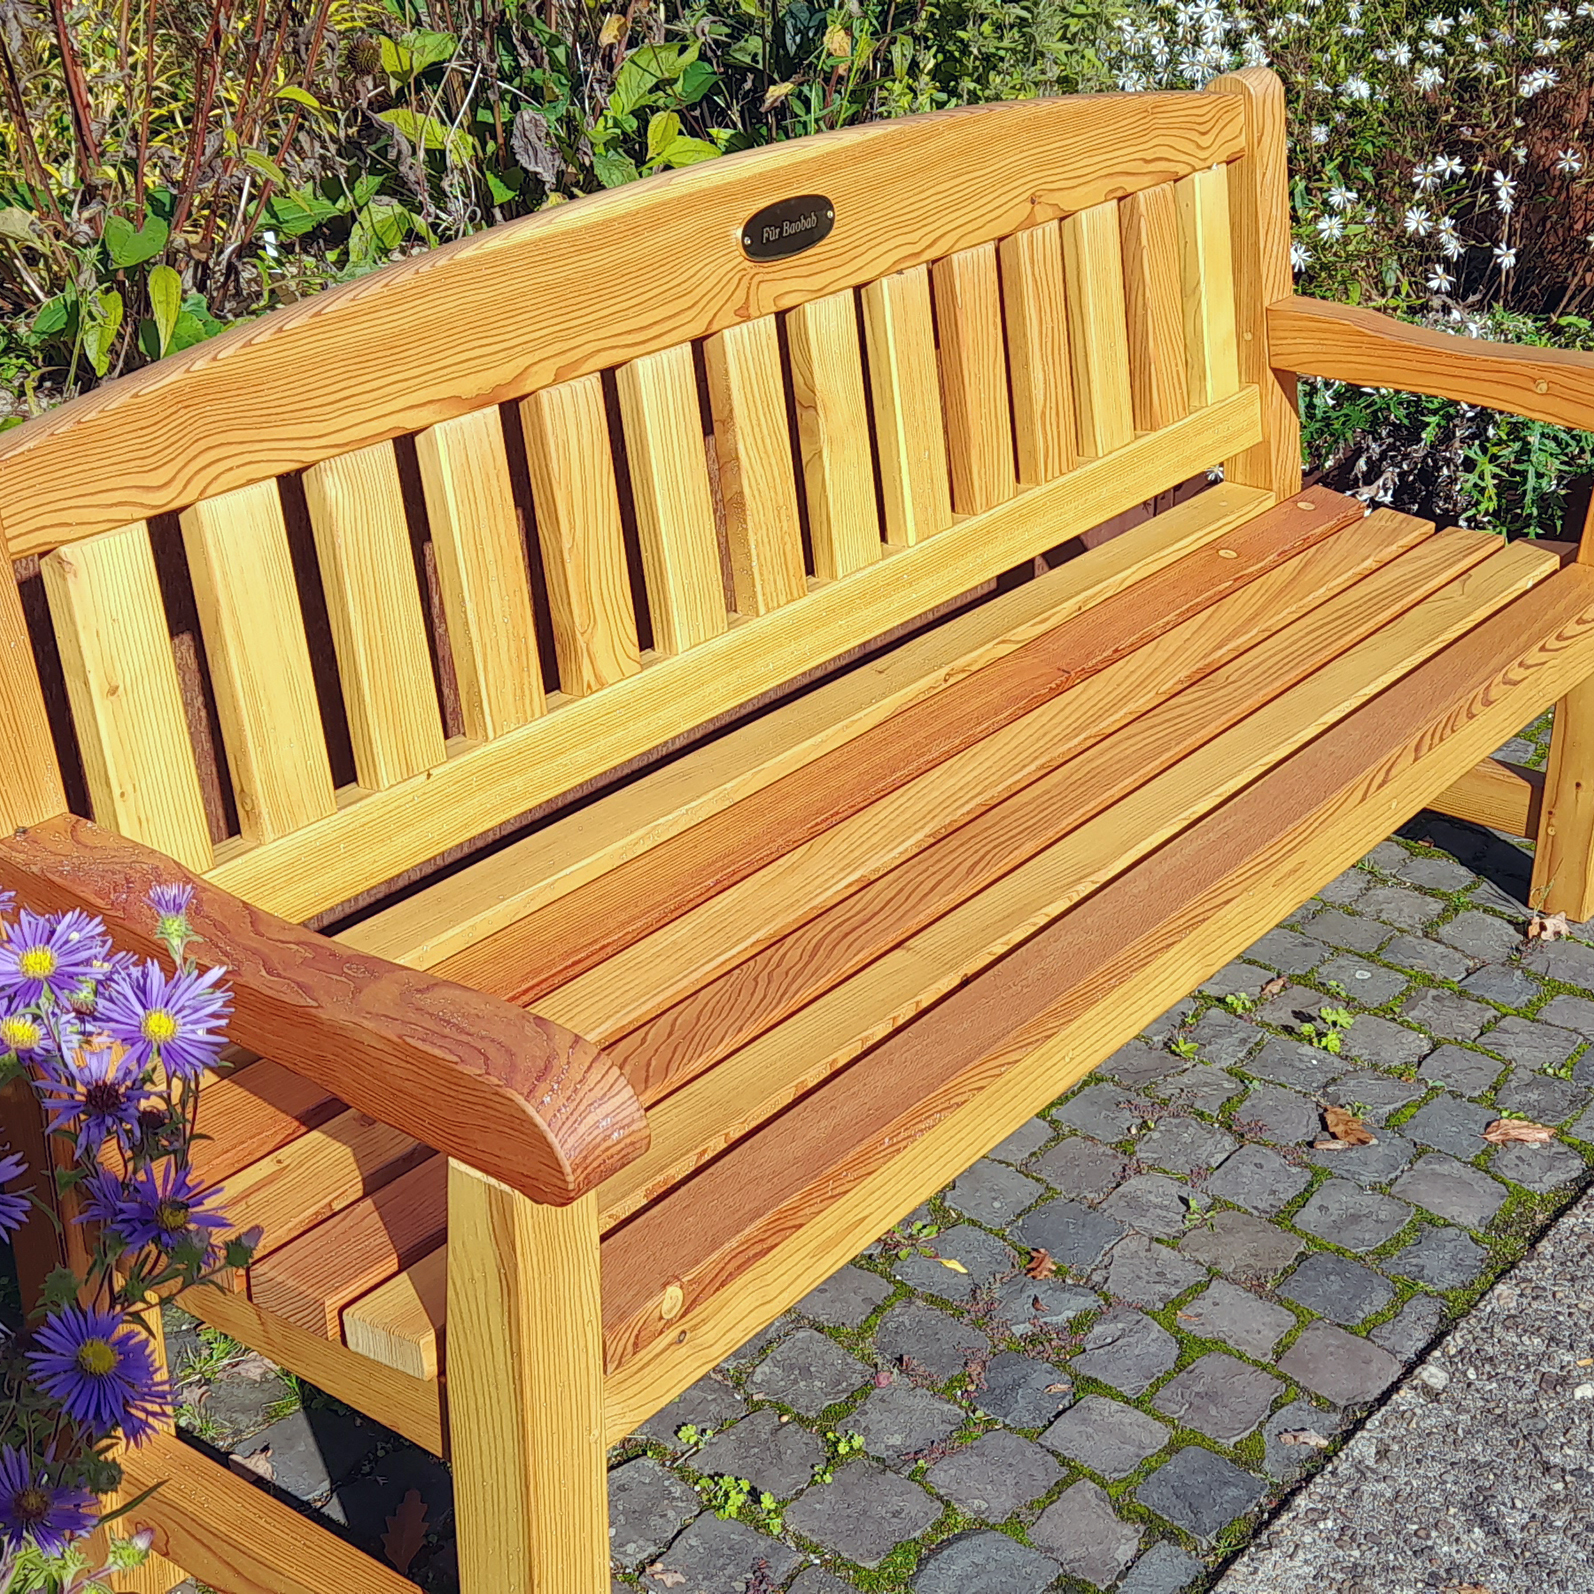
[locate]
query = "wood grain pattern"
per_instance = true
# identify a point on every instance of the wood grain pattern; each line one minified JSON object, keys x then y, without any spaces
{"x":400,"y":1323}
{"x":535,"y":955}
{"x":235,"y":1536}
{"x":244,"y":589}
{"x":121,"y":679}
{"x":309,"y":1281}
{"x":410,"y":1406}
{"x":383,"y":833}
{"x":1563,"y":860}
{"x":1155,"y":301}
{"x":702,"y":1236}
{"x":1098,"y":338}
{"x":674,"y":510}
{"x":481,"y":567}
{"x":1502,"y":796}
{"x":973,"y":355}
{"x":450,"y":1066}
{"x":1206,"y":252}
{"x":511,"y":310}
{"x":525,"y":1391}
{"x":569,"y":459}
{"x":1155,"y":963}
{"x":378,"y":629}
{"x":1259,"y":212}
{"x":904,"y":387}
{"x":1363,"y":346}
{"x":833,"y":434}
{"x":748,"y":398}
{"x":1035,"y":305}
{"x":1062,"y":780}
{"x":32,"y":788}
{"x":250,"y":1115}
{"x":464,"y":907}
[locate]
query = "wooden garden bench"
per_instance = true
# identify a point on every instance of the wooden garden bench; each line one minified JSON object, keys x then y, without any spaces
{"x":623,"y":630}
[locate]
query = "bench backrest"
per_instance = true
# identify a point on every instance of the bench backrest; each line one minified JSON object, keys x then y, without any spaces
{"x":688,"y":474}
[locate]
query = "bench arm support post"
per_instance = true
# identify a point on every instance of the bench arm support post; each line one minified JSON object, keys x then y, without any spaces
{"x":517,"y":1096}
{"x":1349,"y":344}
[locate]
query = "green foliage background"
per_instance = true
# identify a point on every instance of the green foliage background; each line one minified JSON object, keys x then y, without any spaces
{"x":168,"y":167}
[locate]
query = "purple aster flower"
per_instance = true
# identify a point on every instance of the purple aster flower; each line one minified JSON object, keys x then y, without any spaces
{"x":54,"y":955}
{"x":100,"y":1197}
{"x":15,"y":1208}
{"x":8,"y":900}
{"x":164,"y":1207}
{"x":97,"y":1093}
{"x":101,"y":1369}
{"x":21,"y":1029}
{"x":171,"y":902}
{"x":173,"y":1021}
{"x":34,"y":1510}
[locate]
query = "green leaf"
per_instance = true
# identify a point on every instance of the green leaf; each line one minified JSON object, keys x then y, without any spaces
{"x":102,"y":323}
{"x":663,"y":129}
{"x":266,"y":167}
{"x":427,"y":48}
{"x":298,"y":96}
{"x":644,"y":71}
{"x":426,"y":132}
{"x":17,"y":225}
{"x":127,"y":245}
{"x":685,"y":151}
{"x":614,"y":171}
{"x":300,"y":211}
{"x":500,"y":190}
{"x":165,"y":303}
{"x":60,"y":1288}
{"x":696,"y":81}
{"x":397,"y":61}
{"x":54,"y":315}
{"x":378,"y":230}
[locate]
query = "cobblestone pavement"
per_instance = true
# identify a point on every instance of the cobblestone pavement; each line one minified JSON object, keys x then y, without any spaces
{"x":1227,"y":1296}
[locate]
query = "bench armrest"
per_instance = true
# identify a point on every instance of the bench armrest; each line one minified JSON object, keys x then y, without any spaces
{"x":1315,"y":338}
{"x":513,"y":1095}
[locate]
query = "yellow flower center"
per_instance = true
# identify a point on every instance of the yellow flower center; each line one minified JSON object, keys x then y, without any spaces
{"x":159,"y":1025}
{"x":37,"y":963}
{"x":20,"y":1033}
{"x":171,"y":1217}
{"x":99,"y":1357}
{"x":32,"y":1504}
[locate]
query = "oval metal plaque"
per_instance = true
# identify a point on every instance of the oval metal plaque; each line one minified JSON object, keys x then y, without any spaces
{"x":787,"y":227}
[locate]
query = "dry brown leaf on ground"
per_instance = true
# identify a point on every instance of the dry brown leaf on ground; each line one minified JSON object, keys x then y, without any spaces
{"x":1040,"y":1264}
{"x":251,"y":1366}
{"x":1548,"y":927}
{"x":1347,"y":1128}
{"x":1309,"y":1437}
{"x":1058,"y":1389}
{"x":1504,"y":1131}
{"x":406,"y":1532}
{"x":667,"y":1575}
{"x":1272,"y":987}
{"x":258,"y":1466}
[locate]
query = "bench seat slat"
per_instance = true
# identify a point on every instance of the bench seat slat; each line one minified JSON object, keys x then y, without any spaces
{"x":248,"y":602}
{"x":794,"y":828}
{"x":662,"y":1054}
{"x":250,"y":1115}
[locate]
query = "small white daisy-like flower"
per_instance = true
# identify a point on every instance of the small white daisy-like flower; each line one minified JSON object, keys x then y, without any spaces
{"x":1401,"y":55}
{"x":1431,"y":48}
{"x":1536,"y":81}
{"x":1505,"y":190}
{"x":1547,"y":46}
{"x":1450,"y":244}
{"x":1319,"y":133}
{"x":1340,"y":197}
{"x":1356,"y":88}
{"x":1447,"y":166}
{"x":1330,"y":227}
{"x":1424,"y":179}
{"x":1555,"y":20}
{"x":1429,"y":78}
{"x":1568,"y":162}
{"x":1419,"y":223}
{"x":1440,"y":26}
{"x":1440,"y":280}
{"x":1350,"y":31}
{"x":1300,"y":256}
{"x":1505,"y":258}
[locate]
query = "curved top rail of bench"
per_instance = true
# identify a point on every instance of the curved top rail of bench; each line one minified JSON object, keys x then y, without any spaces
{"x":510,"y":1093}
{"x":577,"y":289}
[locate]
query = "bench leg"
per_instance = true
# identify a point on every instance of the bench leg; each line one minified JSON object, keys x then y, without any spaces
{"x":1563,"y":863}
{"x":525,"y":1391}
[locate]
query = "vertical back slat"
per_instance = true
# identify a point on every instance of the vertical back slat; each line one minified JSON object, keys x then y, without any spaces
{"x":674,"y":505}
{"x":1035,"y":304}
{"x":1097,"y":335}
{"x":32,"y":789}
{"x":116,"y":651}
{"x":378,"y":627}
{"x":571,"y":464}
{"x":1156,"y":314}
{"x":899,"y":325}
{"x":1206,"y":249}
{"x":833,"y":433}
{"x":248,"y":603}
{"x":1259,"y":211}
{"x":747,"y":395}
{"x":968,"y":318}
{"x":481,"y":566}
